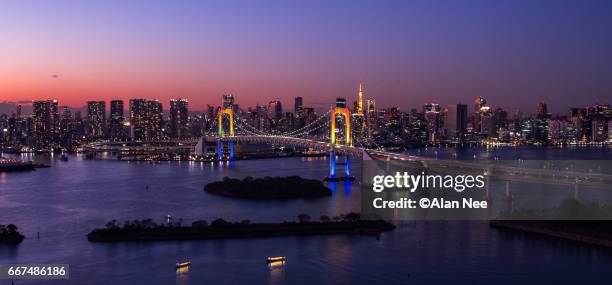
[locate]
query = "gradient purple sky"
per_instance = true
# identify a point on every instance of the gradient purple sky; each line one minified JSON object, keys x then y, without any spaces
{"x":514,"y":53}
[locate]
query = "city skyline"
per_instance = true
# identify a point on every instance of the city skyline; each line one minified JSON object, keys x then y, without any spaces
{"x":9,"y":107}
{"x":514,"y":54}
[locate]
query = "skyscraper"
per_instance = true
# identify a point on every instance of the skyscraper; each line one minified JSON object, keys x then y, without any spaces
{"x":45,"y":123}
{"x":116,"y":120}
{"x":371,"y":106}
{"x":276,"y":109}
{"x":360,"y":100}
{"x":542,"y":110}
{"x":179,"y":118}
{"x":145,"y":119}
{"x":228,"y":100}
{"x":96,"y":119}
{"x":66,"y":125}
{"x":340,"y":102}
{"x":455,"y":122}
{"x":299,"y":107}
{"x":433,"y":116}
{"x":540,"y":123}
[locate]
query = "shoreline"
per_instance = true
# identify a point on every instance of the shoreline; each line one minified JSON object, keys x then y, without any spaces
{"x":239,"y":231}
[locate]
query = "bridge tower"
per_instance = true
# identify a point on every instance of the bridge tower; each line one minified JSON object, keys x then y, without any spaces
{"x":229,"y":113}
{"x":343,"y":111}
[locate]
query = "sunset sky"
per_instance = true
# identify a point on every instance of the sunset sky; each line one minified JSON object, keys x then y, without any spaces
{"x":514,"y":53}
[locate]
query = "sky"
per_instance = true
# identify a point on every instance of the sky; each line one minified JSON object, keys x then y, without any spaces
{"x":513,"y":53}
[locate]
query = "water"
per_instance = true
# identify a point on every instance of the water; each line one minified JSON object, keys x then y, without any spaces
{"x":66,"y":201}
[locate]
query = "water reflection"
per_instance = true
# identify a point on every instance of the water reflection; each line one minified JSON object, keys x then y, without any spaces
{"x":347,"y":188}
{"x":277,"y":272}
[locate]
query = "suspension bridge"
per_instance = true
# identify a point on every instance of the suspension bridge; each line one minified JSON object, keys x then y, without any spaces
{"x":239,"y":130}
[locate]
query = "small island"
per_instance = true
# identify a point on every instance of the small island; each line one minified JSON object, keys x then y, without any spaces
{"x":147,"y":230}
{"x":10,"y":235}
{"x":269,"y":188}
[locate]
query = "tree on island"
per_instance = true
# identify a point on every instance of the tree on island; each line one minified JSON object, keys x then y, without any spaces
{"x":112,"y":224}
{"x":219,"y":223}
{"x":269,"y":188}
{"x":200,"y":224}
{"x":352,"y":217}
{"x":325,"y":219}
{"x":9,"y":234}
{"x":304,"y":218}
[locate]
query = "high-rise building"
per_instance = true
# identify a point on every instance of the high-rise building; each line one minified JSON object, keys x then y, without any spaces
{"x":287,"y":123}
{"x":309,"y":116}
{"x":45,"y":123}
{"x":433,"y":115}
{"x":540,"y":123}
{"x":371,"y":105}
{"x":179,"y":118}
{"x":66,"y":125}
{"x":599,"y":130}
{"x":79,"y":125}
{"x":117,"y":119}
{"x":341,"y":102}
{"x":360,"y":100}
{"x":299,"y":107}
{"x":96,"y":119}
{"x":542,"y":109}
{"x":455,"y":122}
{"x":479,"y":103}
{"x":145,"y":119}
{"x":276,"y":110}
{"x":228,"y":101}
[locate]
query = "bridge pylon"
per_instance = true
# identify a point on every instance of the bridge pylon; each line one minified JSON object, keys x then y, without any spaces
{"x":344,"y":112}
{"x":229,"y":112}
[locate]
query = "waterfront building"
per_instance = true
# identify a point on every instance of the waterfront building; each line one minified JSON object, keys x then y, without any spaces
{"x":146,"y":119}
{"x":45,"y":123}
{"x":66,"y":126}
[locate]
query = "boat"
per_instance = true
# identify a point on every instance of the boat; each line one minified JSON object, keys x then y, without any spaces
{"x":64,"y":157}
{"x":275,"y":262}
{"x":275,"y":259}
{"x":182,"y":265}
{"x":7,"y":165}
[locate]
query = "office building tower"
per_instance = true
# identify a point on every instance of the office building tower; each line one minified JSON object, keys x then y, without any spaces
{"x":455,"y":122}
{"x":340,"y":103}
{"x":96,"y":119}
{"x":275,"y":109}
{"x":179,"y":118}
{"x":360,"y":100}
{"x":299,"y":107}
{"x":117,"y":120}
{"x":45,"y":123}
{"x":145,"y":119}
